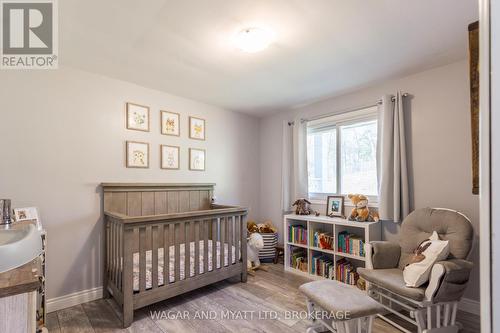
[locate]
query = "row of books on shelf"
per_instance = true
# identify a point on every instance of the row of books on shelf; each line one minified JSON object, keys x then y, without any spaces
{"x":346,"y":272}
{"x":298,"y":259}
{"x":323,"y":240}
{"x":322,"y":265}
{"x":350,"y":243}
{"x":297,"y":234}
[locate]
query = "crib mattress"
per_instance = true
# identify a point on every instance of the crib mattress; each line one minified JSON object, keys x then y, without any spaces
{"x":149,"y":265}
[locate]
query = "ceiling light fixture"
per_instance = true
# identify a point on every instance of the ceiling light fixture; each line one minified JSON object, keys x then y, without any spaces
{"x":253,"y":40}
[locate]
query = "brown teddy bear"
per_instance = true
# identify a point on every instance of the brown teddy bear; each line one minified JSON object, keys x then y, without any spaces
{"x":360,"y":212}
{"x":252,"y":227}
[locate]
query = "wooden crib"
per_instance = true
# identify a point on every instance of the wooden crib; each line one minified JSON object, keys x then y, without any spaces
{"x":151,"y":229}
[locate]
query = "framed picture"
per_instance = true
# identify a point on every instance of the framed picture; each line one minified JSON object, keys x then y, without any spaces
{"x":196,"y":128}
{"x":137,"y":154}
{"x":170,"y":123}
{"x":335,"y":205}
{"x":28,"y":213}
{"x":137,"y":117}
{"x":170,"y":156}
{"x":197,"y":159}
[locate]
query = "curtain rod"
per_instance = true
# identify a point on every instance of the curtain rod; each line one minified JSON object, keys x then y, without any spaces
{"x":393,"y":98}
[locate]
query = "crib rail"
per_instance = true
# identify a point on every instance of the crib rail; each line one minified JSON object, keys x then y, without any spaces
{"x":151,"y":258}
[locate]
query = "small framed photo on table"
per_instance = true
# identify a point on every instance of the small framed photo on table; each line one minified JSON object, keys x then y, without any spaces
{"x":196,"y":128}
{"x":137,"y":154}
{"x":335,"y":206}
{"x":196,"y":159}
{"x":170,"y":123}
{"x":170,"y":157}
{"x":137,"y":117}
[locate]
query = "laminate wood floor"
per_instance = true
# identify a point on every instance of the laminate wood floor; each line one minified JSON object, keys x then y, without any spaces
{"x":229,"y":307}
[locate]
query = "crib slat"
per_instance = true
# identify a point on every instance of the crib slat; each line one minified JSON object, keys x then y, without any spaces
{"x":237,"y":238}
{"x":114,"y":253}
{"x":205,"y":245}
{"x":167,"y":232}
{"x":154,"y":256}
{"x":222,"y":240}
{"x":243,"y":238}
{"x":187,"y":250}
{"x":120,"y":256}
{"x":177,"y":263}
{"x":230,"y":241}
{"x":214,"y":244}
{"x":196,"y":248}
{"x":142,"y":259}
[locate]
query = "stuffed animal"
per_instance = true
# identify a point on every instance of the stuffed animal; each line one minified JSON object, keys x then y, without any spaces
{"x":254,"y":243}
{"x":360,"y":212}
{"x":302,"y":207}
{"x":267,"y":228}
{"x":252,"y":227}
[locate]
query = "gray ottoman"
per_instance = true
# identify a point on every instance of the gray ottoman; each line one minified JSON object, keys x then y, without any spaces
{"x":339,"y":307}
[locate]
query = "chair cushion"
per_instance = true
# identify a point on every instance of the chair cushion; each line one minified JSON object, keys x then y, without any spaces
{"x":336,"y":297}
{"x":450,"y":225}
{"x":392,"y":280}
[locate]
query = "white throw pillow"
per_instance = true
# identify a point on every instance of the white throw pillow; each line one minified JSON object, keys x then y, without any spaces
{"x":417,"y":274}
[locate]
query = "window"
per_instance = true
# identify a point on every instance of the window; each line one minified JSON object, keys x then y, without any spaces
{"x":341,"y":154}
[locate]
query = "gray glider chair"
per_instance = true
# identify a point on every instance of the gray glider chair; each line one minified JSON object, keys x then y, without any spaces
{"x":432,"y":307}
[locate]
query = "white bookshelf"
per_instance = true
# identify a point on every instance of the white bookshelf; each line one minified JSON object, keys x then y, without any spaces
{"x":368,"y":231}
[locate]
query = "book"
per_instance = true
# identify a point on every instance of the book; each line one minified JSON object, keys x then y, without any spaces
{"x":350,"y":243}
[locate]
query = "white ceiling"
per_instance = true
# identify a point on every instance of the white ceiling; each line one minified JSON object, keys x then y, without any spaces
{"x":323,"y":47}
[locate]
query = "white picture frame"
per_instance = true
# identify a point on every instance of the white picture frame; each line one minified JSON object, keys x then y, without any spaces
{"x":170,"y":157}
{"x":27,"y":214}
{"x":137,"y":117}
{"x":170,"y":123}
{"x":197,"y":159}
{"x":137,"y":154}
{"x":197,"y":128}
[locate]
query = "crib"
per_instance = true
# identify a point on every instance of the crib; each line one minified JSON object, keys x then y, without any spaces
{"x":163,"y":240}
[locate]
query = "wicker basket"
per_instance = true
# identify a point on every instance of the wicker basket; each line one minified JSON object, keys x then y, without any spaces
{"x":268,"y":252}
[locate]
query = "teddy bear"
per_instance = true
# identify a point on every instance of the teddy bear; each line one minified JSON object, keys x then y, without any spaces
{"x":252,"y":227}
{"x":360,"y":212}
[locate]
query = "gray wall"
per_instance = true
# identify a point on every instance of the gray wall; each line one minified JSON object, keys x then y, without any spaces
{"x":439,"y":137}
{"x":63,"y":133}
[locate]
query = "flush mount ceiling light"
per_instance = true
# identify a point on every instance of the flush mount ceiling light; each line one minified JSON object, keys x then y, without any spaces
{"x":253,"y":40}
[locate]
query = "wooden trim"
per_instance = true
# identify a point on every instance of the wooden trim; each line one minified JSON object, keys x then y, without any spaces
{"x":127,"y":152}
{"x":204,"y":128}
{"x":141,"y":187}
{"x":178,"y":157}
{"x":204,"y":159}
{"x":213,"y":213}
{"x":161,"y":122}
{"x":126,"y":117}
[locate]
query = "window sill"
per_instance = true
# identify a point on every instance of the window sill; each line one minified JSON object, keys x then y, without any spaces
{"x":347,"y":203}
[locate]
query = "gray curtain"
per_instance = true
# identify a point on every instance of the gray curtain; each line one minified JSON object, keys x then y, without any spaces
{"x":294,"y":163}
{"x":392,"y":170}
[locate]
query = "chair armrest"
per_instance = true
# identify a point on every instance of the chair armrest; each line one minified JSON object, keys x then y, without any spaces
{"x":448,"y":280}
{"x":382,"y":254}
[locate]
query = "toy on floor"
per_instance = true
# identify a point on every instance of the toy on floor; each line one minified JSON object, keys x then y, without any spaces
{"x":360,"y":212}
{"x":255,"y":242}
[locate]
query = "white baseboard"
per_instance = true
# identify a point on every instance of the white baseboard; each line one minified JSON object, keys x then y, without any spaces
{"x":66,"y":301}
{"x":470,"y":305}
